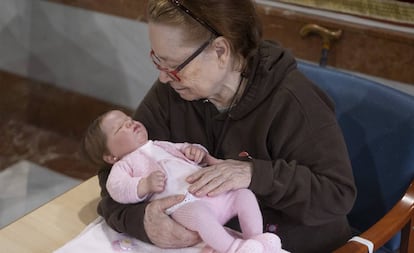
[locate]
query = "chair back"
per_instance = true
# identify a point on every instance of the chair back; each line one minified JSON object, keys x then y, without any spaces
{"x":378,"y":125}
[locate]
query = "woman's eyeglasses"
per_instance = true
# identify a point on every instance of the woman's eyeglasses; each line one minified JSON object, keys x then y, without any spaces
{"x":174,"y":73}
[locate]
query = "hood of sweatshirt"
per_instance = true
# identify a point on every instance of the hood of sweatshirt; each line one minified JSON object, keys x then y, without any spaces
{"x":268,"y":68}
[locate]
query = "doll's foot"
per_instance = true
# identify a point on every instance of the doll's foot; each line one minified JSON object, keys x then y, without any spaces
{"x":271,"y":242}
{"x":246,"y":246}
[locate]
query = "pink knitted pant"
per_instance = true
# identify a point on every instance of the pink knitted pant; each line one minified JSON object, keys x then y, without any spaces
{"x":207,"y":216}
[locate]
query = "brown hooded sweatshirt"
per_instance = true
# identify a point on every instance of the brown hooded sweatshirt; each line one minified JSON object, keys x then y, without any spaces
{"x":302,"y":175}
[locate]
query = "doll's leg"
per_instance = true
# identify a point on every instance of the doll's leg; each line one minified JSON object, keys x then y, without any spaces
{"x":197,"y":216}
{"x":248,"y":212}
{"x":250,"y":219}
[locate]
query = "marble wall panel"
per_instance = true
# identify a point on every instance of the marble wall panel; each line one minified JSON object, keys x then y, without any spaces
{"x":92,"y":53}
{"x":15,"y":35}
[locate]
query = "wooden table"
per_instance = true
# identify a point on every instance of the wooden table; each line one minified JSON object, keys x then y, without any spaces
{"x":52,"y":225}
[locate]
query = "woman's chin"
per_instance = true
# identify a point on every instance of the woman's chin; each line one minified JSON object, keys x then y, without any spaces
{"x":188,"y":96}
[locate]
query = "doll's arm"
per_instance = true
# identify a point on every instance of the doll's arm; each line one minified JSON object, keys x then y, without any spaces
{"x":126,"y":188}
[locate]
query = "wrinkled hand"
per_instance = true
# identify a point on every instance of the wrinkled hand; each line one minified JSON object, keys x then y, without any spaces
{"x":164,"y":231}
{"x":221,"y":177}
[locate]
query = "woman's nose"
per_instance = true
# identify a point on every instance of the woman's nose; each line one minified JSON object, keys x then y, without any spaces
{"x":164,"y":77}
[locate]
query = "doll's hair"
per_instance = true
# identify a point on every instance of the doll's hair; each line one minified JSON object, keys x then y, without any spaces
{"x":93,"y":144}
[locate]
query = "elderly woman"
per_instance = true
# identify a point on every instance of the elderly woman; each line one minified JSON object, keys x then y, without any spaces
{"x":221,"y":85}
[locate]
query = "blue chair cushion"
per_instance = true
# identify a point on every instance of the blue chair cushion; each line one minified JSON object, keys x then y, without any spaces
{"x":378,"y":125}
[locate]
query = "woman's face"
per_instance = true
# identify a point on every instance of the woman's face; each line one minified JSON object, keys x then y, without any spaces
{"x":200,"y":78}
{"x":123,"y":134}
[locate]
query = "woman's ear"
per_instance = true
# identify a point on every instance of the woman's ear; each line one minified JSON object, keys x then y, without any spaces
{"x":109,"y":159}
{"x":222,"y":50}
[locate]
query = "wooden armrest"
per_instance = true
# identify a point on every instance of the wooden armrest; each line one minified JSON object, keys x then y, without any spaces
{"x":399,"y":218}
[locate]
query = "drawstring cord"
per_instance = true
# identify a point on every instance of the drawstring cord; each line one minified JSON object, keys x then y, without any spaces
{"x":227,"y":121}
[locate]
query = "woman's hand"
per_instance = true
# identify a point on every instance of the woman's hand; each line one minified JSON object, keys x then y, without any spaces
{"x":221,"y":177}
{"x":164,"y":231}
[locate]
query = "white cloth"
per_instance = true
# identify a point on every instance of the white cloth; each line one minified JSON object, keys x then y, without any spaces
{"x":99,"y":237}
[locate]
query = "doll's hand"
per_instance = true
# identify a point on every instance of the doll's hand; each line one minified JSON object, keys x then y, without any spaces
{"x":195,"y":153}
{"x":155,"y":182}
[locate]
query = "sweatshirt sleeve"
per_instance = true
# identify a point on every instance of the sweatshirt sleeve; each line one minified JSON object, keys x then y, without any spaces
{"x":308,"y":175}
{"x":314,"y":193}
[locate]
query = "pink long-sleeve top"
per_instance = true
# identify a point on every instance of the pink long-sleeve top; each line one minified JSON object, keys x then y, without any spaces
{"x":168,"y":157}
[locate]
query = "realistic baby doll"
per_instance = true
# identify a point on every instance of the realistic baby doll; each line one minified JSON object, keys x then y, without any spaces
{"x":144,"y":170}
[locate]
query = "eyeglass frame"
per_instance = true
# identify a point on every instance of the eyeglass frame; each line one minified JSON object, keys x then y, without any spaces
{"x":174,"y":73}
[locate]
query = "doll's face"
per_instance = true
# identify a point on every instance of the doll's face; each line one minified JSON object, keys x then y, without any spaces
{"x":123,"y":134}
